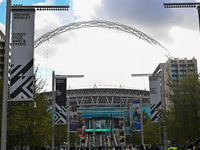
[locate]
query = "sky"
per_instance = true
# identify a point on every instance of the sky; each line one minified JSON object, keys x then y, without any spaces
{"x":108,"y":57}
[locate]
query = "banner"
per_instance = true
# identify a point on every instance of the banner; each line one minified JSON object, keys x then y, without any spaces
{"x":136,"y":115}
{"x":60,"y":104}
{"x":73,"y":116}
{"x":80,"y":123}
{"x":155,"y":98}
{"x":127,"y":122}
{"x":22,"y":50}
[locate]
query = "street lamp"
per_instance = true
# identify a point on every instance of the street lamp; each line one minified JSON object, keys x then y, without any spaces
{"x":162,"y":94}
{"x":53,"y":104}
{"x":6,"y":65}
{"x":5,"y":79}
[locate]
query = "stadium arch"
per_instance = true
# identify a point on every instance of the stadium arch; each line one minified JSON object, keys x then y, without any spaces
{"x":100,"y":24}
{"x":101,"y":104}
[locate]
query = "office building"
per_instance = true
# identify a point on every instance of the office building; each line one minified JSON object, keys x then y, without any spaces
{"x":174,"y":68}
{"x":2,"y":53}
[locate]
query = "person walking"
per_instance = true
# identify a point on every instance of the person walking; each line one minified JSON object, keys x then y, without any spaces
{"x":197,"y":144}
{"x":189,"y":145}
{"x":173,"y":145}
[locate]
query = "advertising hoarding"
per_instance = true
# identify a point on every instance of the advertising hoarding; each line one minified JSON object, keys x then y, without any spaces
{"x":80,"y":123}
{"x":136,"y":115}
{"x":127,"y":122}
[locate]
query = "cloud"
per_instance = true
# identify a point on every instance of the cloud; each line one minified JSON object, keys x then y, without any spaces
{"x":2,"y":27}
{"x":107,"y":56}
{"x":148,"y":16}
{"x":1,"y":1}
{"x":83,"y":10}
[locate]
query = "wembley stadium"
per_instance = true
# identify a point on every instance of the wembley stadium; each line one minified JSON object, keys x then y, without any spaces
{"x":104,"y":116}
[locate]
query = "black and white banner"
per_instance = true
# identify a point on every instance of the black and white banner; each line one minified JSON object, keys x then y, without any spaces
{"x":60,"y":104}
{"x":22,"y":50}
{"x":155,"y":98}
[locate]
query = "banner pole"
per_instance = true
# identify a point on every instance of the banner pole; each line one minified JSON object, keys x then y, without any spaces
{"x":68,"y":127}
{"x":53,"y":107}
{"x":141,"y":120}
{"x":5,"y":79}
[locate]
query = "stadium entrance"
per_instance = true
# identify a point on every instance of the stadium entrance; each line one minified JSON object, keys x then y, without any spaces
{"x":103,"y":132}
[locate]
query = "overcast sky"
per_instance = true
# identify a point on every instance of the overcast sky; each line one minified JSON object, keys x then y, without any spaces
{"x":108,"y":57}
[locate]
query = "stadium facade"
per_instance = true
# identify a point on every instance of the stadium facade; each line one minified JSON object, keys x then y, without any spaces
{"x":104,"y":116}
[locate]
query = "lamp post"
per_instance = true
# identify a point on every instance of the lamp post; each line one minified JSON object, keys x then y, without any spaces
{"x":141,"y":119}
{"x":6,"y":64}
{"x":68,"y":112}
{"x":162,"y":96}
{"x":111,"y":132}
{"x":53,"y":107}
{"x":5,"y":79}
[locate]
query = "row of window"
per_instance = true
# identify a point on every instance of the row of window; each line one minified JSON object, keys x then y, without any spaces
{"x":182,"y":68}
{"x":181,"y":62}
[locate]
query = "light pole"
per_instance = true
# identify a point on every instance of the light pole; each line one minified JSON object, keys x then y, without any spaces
{"x":5,"y":79}
{"x":141,"y":115}
{"x":68,"y":112}
{"x":162,"y":96}
{"x":6,"y":64}
{"x":141,"y":119}
{"x":53,"y":109}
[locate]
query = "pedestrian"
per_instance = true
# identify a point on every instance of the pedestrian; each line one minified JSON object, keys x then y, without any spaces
{"x":147,"y":147}
{"x":156,"y":148}
{"x":197,"y":144}
{"x":141,"y":147}
{"x":189,"y":145}
{"x":173,"y":145}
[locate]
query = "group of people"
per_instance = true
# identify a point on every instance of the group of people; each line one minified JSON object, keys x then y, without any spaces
{"x":190,"y":145}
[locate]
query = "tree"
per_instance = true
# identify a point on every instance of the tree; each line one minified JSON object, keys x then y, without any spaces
{"x":27,"y":122}
{"x":151,"y":132}
{"x":135,"y":136}
{"x":60,"y":134}
{"x":182,"y":118}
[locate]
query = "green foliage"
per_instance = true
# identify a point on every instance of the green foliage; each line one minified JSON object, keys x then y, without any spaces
{"x":146,"y":117}
{"x":182,"y":118}
{"x":135,"y":137}
{"x":74,"y":138}
{"x":151,"y":132}
{"x":60,"y":134}
{"x":149,"y":129}
{"x":27,"y":122}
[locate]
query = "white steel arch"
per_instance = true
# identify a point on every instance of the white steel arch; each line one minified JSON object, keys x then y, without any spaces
{"x":101,"y":24}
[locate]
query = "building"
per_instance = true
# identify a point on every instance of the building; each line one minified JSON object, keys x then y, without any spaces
{"x":174,"y":68}
{"x":2,"y":53}
{"x":105,"y":115}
